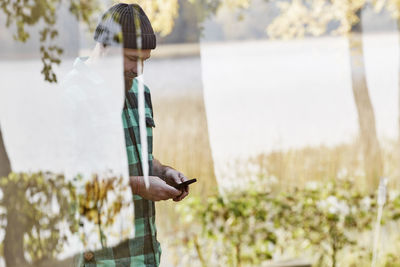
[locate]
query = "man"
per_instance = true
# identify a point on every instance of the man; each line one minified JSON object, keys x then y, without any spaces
{"x":143,"y":249}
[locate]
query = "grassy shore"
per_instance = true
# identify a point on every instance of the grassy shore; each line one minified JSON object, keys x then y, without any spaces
{"x":181,"y":140}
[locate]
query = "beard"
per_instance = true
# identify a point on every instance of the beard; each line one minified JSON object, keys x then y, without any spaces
{"x":128,"y":84}
{"x":128,"y":77}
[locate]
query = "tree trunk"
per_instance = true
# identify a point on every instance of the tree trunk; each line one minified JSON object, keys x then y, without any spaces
{"x":13,"y":239}
{"x":366,"y":117}
{"x":5,"y":166}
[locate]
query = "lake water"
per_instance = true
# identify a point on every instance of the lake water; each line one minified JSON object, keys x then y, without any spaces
{"x":259,"y":96}
{"x":276,"y":95}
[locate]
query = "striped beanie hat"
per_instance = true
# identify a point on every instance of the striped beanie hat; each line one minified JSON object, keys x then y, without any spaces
{"x":117,"y":26}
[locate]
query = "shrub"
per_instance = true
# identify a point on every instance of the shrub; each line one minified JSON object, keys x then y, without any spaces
{"x":250,"y":226}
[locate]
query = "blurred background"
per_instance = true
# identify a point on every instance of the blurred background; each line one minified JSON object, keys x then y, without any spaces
{"x":287,"y":113}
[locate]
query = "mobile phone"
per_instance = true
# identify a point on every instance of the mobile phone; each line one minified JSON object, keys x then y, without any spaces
{"x":184,"y":184}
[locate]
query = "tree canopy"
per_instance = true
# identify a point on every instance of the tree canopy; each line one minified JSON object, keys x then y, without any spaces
{"x":299,"y":18}
{"x":22,"y":14}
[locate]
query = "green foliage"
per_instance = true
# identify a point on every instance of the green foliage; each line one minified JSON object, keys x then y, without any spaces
{"x":84,"y":11}
{"x":392,"y":260}
{"x":323,"y":218}
{"x":327,"y":216}
{"x":299,"y":18}
{"x":22,"y":13}
{"x":239,"y":223}
{"x":47,"y":210}
{"x":205,"y":8}
{"x":95,"y":205}
{"x":42,"y":202}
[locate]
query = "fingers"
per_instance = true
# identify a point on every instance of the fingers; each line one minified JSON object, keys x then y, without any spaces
{"x":167,"y":191}
{"x":185,"y":191}
{"x":184,"y":194}
{"x":178,"y":177}
{"x":180,"y":197}
{"x":182,"y":177}
{"x":159,"y":190}
{"x":171,"y":191}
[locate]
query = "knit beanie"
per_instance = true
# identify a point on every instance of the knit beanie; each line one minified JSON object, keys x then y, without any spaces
{"x":117,"y":26}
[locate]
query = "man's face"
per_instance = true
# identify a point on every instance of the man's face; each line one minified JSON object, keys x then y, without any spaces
{"x":131,"y":59}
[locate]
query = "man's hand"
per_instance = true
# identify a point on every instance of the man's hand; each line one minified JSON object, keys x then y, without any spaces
{"x":173,"y":178}
{"x":158,"y":190}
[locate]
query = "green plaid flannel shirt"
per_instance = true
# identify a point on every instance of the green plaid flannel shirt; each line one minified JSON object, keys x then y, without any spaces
{"x":143,"y":249}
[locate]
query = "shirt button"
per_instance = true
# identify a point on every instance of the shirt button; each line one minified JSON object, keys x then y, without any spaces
{"x":88,"y":256}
